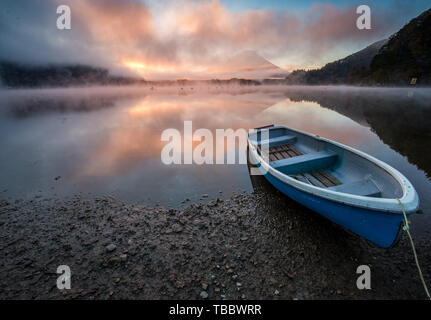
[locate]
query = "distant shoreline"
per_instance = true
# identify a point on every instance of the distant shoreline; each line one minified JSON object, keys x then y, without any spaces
{"x":18,"y":76}
{"x":206,"y":83}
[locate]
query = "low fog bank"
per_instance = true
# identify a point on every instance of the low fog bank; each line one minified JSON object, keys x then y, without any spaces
{"x":25,"y":102}
{"x":351,"y":101}
{"x":352,"y":95}
{"x":19,"y":76}
{"x":200,"y":87}
{"x":135,"y":90}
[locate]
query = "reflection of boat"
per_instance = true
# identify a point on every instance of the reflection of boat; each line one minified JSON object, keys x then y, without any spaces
{"x":345,"y":185}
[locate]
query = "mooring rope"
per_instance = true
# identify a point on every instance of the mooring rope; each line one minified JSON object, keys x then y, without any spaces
{"x":406,"y":228}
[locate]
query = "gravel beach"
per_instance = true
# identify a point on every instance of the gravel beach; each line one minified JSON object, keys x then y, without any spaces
{"x":251,"y":246}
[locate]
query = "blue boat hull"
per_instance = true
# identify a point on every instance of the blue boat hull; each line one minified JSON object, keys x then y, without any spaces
{"x":378,"y":227}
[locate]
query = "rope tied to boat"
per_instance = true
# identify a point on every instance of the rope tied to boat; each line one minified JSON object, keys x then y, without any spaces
{"x":407,"y":229}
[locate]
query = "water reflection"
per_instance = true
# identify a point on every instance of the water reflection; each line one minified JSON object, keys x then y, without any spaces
{"x":109,"y":142}
{"x":103,"y":141}
{"x":400,"y":117}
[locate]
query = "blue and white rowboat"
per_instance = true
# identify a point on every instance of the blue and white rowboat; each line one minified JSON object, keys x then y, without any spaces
{"x":345,"y":185}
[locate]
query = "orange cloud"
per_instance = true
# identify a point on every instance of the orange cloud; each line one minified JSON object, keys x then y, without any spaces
{"x":110,"y":21}
{"x":190,"y":38}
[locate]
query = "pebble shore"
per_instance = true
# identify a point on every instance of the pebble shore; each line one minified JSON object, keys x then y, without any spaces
{"x":250,"y":246}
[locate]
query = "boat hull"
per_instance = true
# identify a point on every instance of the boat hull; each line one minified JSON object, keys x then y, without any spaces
{"x":380,"y":228}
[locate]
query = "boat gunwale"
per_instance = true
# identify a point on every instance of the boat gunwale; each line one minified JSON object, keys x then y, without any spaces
{"x":409,"y":199}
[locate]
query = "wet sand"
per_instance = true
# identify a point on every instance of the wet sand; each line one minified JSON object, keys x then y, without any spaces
{"x":251,"y":246}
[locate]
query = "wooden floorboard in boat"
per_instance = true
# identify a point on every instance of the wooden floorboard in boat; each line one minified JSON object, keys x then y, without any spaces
{"x":281,"y":152}
{"x":326,"y":182}
{"x":330,"y":177}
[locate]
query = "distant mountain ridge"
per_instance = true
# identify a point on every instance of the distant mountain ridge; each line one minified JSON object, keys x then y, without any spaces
{"x":250,"y":65}
{"x":403,"y":59}
{"x":337,"y":72}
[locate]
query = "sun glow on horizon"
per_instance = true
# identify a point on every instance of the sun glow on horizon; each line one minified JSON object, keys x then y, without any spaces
{"x":157,"y":70}
{"x":141,"y":67}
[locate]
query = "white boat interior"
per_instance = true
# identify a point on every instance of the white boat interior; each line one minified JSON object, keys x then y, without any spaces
{"x":324,"y":164}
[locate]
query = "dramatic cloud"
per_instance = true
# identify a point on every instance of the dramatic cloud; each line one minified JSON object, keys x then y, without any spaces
{"x":187,"y":38}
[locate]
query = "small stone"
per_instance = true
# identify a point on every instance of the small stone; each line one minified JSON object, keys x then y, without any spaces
{"x":114,"y":259}
{"x":234,"y":277}
{"x":111,"y":247}
{"x":204,"y":286}
{"x":276,"y":292}
{"x":244,"y":238}
{"x":238,"y":284}
{"x":177,"y":228}
{"x":204,"y":295}
{"x":212,"y":203}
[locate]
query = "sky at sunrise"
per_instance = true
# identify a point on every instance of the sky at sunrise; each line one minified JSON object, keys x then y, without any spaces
{"x":195,"y":38}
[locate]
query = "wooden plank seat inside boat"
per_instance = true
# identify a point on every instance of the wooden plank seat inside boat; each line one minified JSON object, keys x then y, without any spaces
{"x":278,"y":141}
{"x":305,"y":163}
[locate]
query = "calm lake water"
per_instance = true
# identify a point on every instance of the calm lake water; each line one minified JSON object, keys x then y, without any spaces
{"x":100,"y":141}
